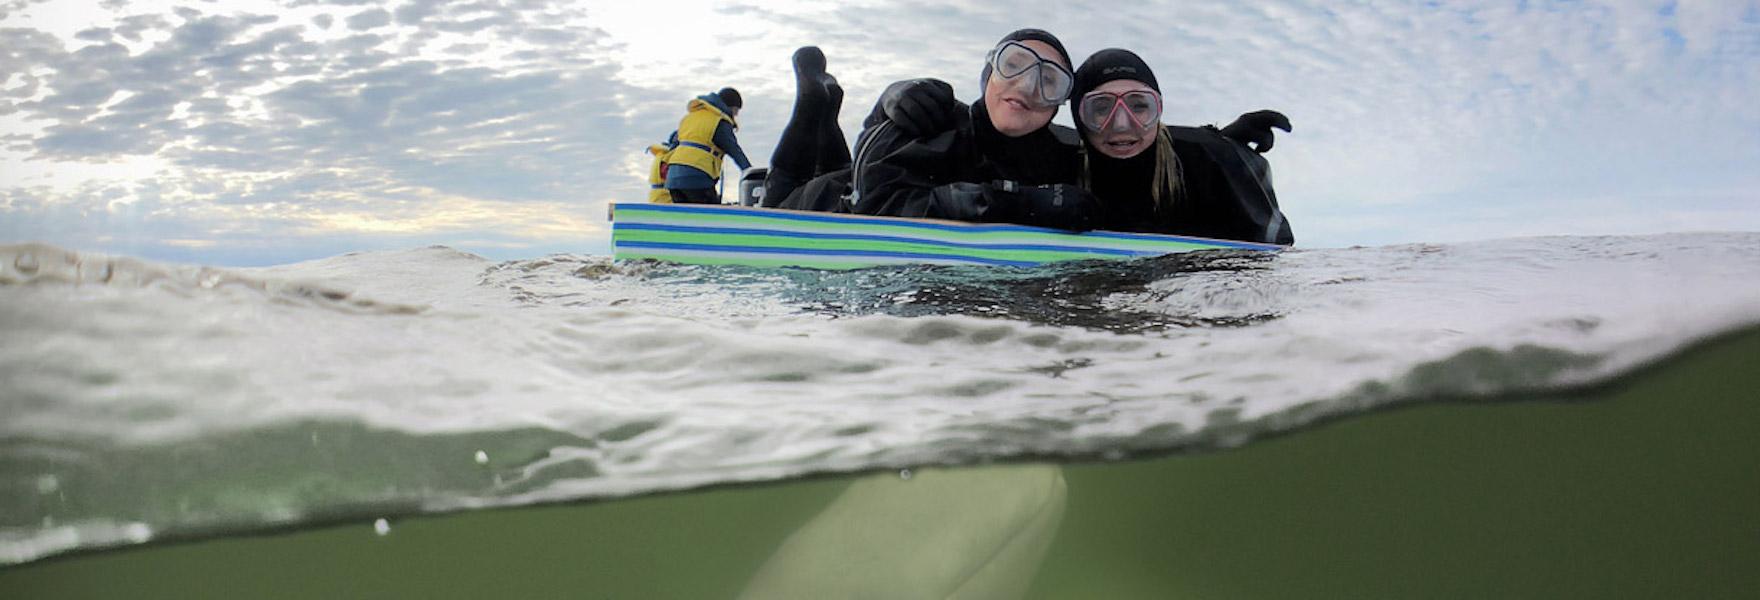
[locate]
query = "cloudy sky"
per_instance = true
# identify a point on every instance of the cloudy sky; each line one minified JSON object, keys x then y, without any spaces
{"x":247,"y":132}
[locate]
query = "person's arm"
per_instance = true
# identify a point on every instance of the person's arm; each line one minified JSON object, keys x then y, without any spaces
{"x":1242,"y":204}
{"x":1254,"y":129}
{"x":920,"y":107}
{"x":725,"y":140}
{"x":893,"y":173}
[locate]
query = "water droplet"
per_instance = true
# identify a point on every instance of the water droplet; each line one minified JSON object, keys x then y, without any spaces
{"x":26,"y":263}
{"x":48,"y":484}
{"x":381,"y":527}
{"x":904,"y":474}
{"x":482,"y":457}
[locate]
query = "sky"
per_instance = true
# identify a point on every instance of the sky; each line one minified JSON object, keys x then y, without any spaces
{"x":251,"y":132}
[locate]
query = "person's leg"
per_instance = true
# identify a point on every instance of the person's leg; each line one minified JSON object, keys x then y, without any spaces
{"x":797,"y":153}
{"x":833,"y":150}
{"x":695,"y":196}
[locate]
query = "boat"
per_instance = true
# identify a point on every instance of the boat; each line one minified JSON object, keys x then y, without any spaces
{"x":700,"y":234}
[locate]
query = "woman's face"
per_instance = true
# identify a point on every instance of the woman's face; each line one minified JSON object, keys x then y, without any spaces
{"x":1007,"y":99}
{"x":1121,"y":137}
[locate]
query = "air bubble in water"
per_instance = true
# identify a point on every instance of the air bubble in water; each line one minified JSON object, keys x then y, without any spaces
{"x":26,"y":263}
{"x":482,"y":457}
{"x":381,"y":527}
{"x":904,"y":474}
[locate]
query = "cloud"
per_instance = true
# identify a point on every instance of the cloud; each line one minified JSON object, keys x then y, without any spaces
{"x":369,"y":19}
{"x":413,"y":12}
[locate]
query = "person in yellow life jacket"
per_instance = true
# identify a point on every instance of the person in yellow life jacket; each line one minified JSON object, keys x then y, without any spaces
{"x":705,"y":135}
{"x":657,"y":192}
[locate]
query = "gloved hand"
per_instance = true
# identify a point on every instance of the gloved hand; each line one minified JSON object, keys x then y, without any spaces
{"x":1058,"y":205}
{"x":920,"y":107}
{"x":1254,"y":129}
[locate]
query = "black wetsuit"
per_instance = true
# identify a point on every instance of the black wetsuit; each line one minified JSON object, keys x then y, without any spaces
{"x":970,"y":172}
{"x":1226,"y":192}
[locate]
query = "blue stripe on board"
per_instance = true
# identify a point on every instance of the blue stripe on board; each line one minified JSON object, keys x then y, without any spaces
{"x":884,"y":238}
{"x":815,"y":252}
{"x":907,"y":222}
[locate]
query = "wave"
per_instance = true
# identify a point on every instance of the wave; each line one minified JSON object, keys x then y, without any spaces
{"x":42,"y":265}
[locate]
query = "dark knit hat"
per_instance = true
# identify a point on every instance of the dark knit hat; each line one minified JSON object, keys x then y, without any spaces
{"x":730,"y":97}
{"x":1020,"y":35}
{"x":1111,"y":64}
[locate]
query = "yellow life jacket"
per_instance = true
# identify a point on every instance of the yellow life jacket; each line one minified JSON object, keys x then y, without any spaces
{"x":696,"y":138}
{"x":657,"y":175}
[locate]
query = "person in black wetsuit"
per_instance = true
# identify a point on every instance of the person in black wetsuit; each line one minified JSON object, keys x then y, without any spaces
{"x":809,"y":169}
{"x":924,"y":154}
{"x":1150,"y":177}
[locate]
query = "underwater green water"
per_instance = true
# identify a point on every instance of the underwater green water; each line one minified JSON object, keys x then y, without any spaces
{"x":1647,"y":489}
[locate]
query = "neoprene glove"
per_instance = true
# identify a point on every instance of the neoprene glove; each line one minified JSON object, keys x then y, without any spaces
{"x":1058,"y":205}
{"x":920,"y":107}
{"x":1254,"y":129}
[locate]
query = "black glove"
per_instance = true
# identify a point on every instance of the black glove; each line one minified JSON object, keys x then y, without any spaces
{"x":920,"y":107}
{"x":1059,"y":205}
{"x":1254,"y":129}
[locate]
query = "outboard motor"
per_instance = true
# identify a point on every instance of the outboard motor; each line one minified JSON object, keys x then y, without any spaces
{"x":751,"y":186}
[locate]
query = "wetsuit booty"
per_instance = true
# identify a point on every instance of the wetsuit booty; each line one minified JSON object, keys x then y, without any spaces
{"x":809,"y":61}
{"x":833,"y":149}
{"x":796,"y":157}
{"x":809,"y":71}
{"x":833,"y":95}
{"x":834,"y":153}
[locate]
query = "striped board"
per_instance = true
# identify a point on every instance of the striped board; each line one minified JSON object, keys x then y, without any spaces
{"x":769,"y":237}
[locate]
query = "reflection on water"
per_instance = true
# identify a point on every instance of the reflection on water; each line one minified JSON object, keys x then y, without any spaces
{"x":933,"y":533}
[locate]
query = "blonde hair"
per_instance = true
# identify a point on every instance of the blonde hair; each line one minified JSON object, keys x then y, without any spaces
{"x":1169,"y":180}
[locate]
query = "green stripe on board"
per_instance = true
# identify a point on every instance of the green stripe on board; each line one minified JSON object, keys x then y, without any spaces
{"x":749,"y":260}
{"x":865,"y":227}
{"x":735,"y":241}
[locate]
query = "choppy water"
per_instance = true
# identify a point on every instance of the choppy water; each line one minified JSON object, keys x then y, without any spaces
{"x":143,"y":401}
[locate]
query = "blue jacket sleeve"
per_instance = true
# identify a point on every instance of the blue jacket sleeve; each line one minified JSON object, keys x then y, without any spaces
{"x":727,"y":143}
